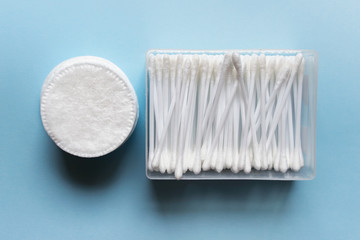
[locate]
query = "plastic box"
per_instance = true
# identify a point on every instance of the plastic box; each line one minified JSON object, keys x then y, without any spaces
{"x":308,"y":122}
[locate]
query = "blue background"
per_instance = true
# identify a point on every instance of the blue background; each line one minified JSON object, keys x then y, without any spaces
{"x":48,"y":194}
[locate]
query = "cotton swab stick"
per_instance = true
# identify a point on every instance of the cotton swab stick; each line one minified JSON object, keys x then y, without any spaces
{"x":160,"y":146}
{"x":283,"y":161}
{"x":207,"y":136}
{"x":159,"y":96}
{"x":236,"y":127}
{"x":218,"y":88}
{"x":189,"y":157}
{"x":238,"y":106}
{"x":176,"y":116}
{"x":151,"y":111}
{"x":226,"y":136}
{"x":159,"y":107}
{"x":280,"y":79}
{"x":238,"y":163}
{"x":228,"y":128}
{"x":249,"y":117}
{"x":165,"y":93}
{"x":239,"y":72}
{"x":209,"y":115}
{"x":256,"y":151}
{"x":267,"y":75}
{"x":281,"y":65}
{"x":299,"y":160}
{"x":180,"y":152}
{"x":229,"y":144}
{"x":291,"y":132}
{"x":264,"y":162}
{"x":245,"y":73}
{"x":215,"y":124}
{"x":157,"y":159}
{"x":217,"y":158}
{"x":280,"y":104}
{"x":170,"y":132}
{"x":273,"y":148}
{"x":155,"y":64}
{"x":224,"y":117}
{"x":202,"y":91}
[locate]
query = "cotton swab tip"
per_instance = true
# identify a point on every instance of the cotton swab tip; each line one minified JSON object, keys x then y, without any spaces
{"x":283,"y":75}
{"x":253,"y":63}
{"x":187,"y":64}
{"x":166,"y":61}
{"x":151,"y":61}
{"x":262,"y":62}
{"x":236,"y":59}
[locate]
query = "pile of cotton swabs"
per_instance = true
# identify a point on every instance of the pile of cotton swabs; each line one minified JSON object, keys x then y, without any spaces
{"x":227,"y":111}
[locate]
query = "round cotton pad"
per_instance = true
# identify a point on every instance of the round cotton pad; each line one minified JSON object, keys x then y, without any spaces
{"x":88,"y":106}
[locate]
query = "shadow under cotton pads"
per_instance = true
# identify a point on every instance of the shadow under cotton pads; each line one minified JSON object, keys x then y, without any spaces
{"x":88,"y":106}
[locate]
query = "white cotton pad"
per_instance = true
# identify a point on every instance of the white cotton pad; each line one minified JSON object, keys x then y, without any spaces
{"x":88,"y":106}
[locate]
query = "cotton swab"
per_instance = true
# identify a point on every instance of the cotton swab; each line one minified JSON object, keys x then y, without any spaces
{"x":156,"y":159}
{"x":224,"y":117}
{"x":252,"y":70}
{"x":218,"y":88}
{"x":255,"y":145}
{"x":175,"y":114}
{"x":158,"y":96}
{"x":189,"y":157}
{"x":299,"y":160}
{"x":283,"y":165}
{"x":151,"y":111}
{"x":209,"y":115}
{"x":290,"y":132}
{"x":280,"y":104}
{"x":183,"y":102}
{"x":235,"y":127}
{"x":170,"y":132}
{"x":263,"y":76}
{"x":203,"y":92}
{"x":214,"y":79}
{"x":165,"y":93}
{"x":238,"y":163}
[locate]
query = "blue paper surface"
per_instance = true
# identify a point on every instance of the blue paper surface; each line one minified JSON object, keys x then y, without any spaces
{"x":48,"y":194}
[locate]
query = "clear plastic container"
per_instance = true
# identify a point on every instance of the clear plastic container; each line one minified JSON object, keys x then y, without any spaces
{"x":308,"y":122}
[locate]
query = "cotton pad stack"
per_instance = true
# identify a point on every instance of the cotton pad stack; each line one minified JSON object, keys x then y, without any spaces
{"x":88,"y":106}
{"x":217,"y":112}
